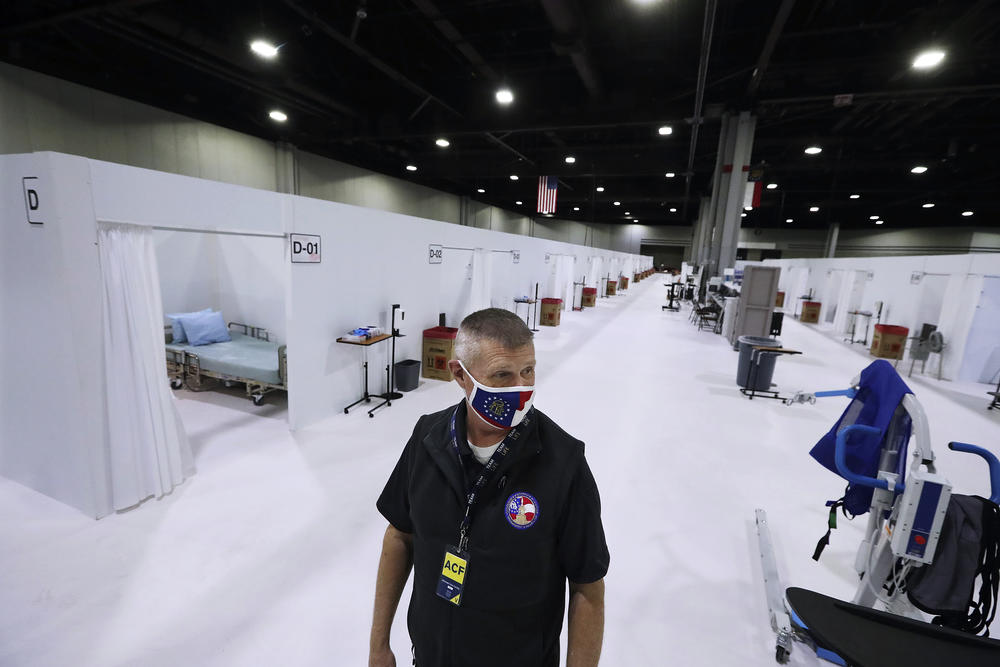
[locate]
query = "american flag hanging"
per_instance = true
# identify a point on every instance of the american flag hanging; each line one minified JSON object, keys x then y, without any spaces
{"x":548,"y":186}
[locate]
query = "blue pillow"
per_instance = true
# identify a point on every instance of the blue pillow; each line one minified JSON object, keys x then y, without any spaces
{"x":204,"y":328}
{"x":178,"y":329}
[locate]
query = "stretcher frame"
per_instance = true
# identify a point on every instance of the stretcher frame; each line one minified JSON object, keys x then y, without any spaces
{"x":184,"y":367}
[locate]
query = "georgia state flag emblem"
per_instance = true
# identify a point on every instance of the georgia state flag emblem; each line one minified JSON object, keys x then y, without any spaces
{"x":521,"y":510}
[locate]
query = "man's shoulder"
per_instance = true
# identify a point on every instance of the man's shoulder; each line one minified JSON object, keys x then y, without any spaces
{"x":434,"y":421}
{"x":555,"y":438}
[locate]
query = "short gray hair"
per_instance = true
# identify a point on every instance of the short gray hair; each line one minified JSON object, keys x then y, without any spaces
{"x":494,"y":324}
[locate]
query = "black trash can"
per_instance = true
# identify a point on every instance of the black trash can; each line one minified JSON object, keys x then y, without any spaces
{"x":765,"y":370}
{"x":407,"y":374}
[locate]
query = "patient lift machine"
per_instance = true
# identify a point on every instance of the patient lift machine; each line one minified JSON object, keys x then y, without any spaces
{"x":907,"y":504}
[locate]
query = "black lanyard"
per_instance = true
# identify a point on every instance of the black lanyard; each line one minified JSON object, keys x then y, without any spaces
{"x":484,"y":477}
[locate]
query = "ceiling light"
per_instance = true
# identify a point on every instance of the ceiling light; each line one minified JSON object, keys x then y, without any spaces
{"x":480,"y":190}
{"x":600,"y":188}
{"x":966,"y":214}
{"x":576,"y":208}
{"x":665,"y":130}
{"x":627,"y":213}
{"x":443,"y":143}
{"x":518,"y":202}
{"x":635,"y":219}
{"x":504,"y":96}
{"x":928,"y":205}
{"x":788,"y":220}
{"x":410,"y":167}
{"x":748,"y":208}
{"x":928,"y":59}
{"x":873,"y":217}
{"x":279,"y":116}
{"x":813,"y":209}
{"x":814,"y":150}
{"x":673,"y":210}
{"x":919,"y":169}
{"x":772,"y":186}
{"x":513,"y":177}
{"x":670,"y":174}
{"x":879,"y":222}
{"x":855,"y":197}
{"x":743,"y":215}
{"x":617,"y":203}
{"x":264,"y":49}
{"x":570,"y":159}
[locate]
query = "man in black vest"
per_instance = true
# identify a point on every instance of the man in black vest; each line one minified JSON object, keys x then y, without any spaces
{"x":494,"y":508}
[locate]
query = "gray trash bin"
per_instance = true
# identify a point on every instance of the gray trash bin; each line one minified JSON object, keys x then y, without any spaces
{"x":407,"y":374}
{"x":765,"y":371}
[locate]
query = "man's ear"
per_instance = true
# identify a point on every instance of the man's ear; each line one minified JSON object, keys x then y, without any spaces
{"x":456,"y":370}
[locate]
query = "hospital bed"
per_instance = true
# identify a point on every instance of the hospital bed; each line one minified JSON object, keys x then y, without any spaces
{"x":249,"y":358}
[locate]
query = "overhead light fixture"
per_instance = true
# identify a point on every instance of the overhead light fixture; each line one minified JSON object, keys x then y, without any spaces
{"x":665,"y":130}
{"x":576,"y":208}
{"x":919,"y":169}
{"x":443,"y":143}
{"x":743,"y":215}
{"x":813,"y":150}
{"x":772,"y":186}
{"x":570,"y":159}
{"x":673,"y":210}
{"x":505,"y":96}
{"x":789,"y":220}
{"x":600,"y":188}
{"x":518,"y":202}
{"x":928,"y":59}
{"x":279,"y":116}
{"x":513,"y":177}
{"x":627,"y":213}
{"x":928,"y":205}
{"x":855,"y":197}
{"x":264,"y":49}
{"x":670,"y":174}
{"x":480,"y":190}
{"x":748,"y":208}
{"x":617,"y":203}
{"x":873,"y":217}
{"x":635,"y":219}
{"x":410,"y":167}
{"x":879,"y":222}
{"x":966,"y":214}
{"x":813,"y":209}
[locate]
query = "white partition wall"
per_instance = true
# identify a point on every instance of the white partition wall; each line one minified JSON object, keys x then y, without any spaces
{"x":944,"y":290}
{"x":52,"y":404}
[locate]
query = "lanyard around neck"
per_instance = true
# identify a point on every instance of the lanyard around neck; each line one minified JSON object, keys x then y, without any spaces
{"x":484,"y":477}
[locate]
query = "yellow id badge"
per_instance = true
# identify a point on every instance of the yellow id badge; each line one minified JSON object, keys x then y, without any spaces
{"x":453,"y":572}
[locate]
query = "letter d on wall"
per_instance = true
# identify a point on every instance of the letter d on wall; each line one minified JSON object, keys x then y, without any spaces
{"x":33,"y":199}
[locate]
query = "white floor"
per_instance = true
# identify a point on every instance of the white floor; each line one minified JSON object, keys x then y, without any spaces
{"x":267,"y":556}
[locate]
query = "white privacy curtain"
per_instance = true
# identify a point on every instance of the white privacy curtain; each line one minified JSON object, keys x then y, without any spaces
{"x":480,"y":275}
{"x":561,"y":279}
{"x":149,"y":452}
{"x":595,"y":274}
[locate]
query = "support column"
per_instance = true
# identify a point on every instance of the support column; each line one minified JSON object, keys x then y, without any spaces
{"x":720,"y":182}
{"x":831,"y":240}
{"x":728,"y":220}
{"x":286,"y":168}
{"x":698,"y":233}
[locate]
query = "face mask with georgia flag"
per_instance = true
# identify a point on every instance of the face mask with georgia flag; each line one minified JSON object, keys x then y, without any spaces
{"x":502,"y":407}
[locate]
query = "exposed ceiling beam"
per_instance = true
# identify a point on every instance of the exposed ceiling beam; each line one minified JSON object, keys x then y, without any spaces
{"x":760,"y":69}
{"x":370,"y":58}
{"x":81,"y":12}
{"x":455,"y":38}
{"x":564,"y":15}
{"x":707,"y":30}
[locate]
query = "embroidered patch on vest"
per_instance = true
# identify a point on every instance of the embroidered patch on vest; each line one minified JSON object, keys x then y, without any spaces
{"x":521,"y":510}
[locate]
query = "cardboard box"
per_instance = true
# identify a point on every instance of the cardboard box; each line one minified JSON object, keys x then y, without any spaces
{"x":889,"y":341}
{"x":589,"y":297}
{"x":551,"y":312}
{"x":779,"y":300}
{"x":810,"y":312}
{"x":439,"y":349}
